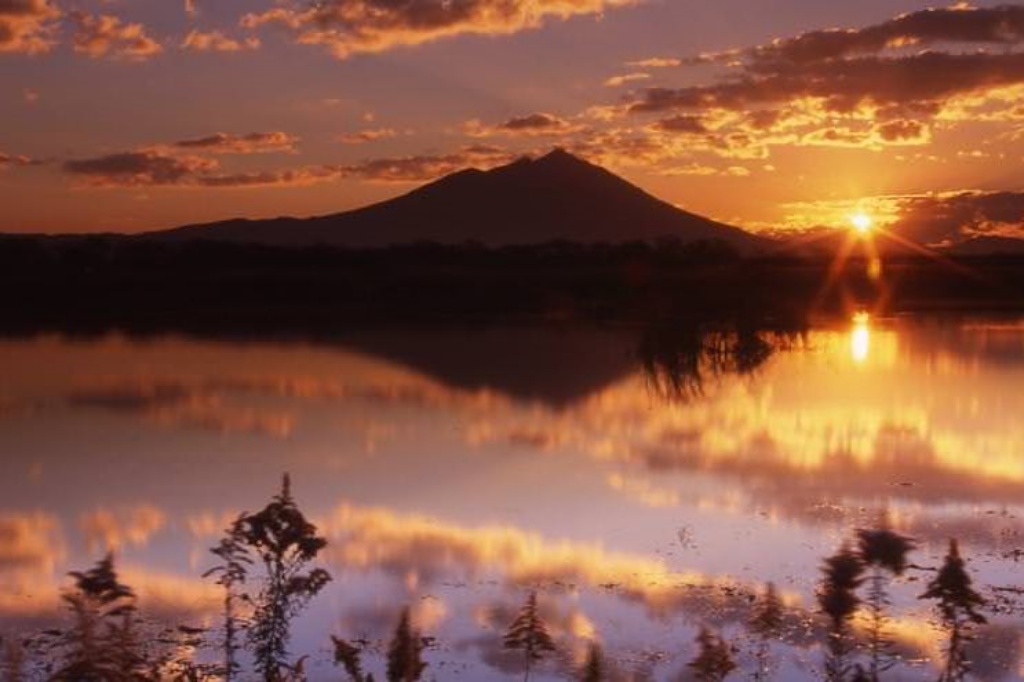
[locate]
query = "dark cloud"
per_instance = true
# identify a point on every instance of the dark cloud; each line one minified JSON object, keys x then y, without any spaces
{"x":27,"y":26}
{"x":427,"y":167}
{"x":306,"y":175}
{"x":921,"y":80}
{"x":1002,"y":25}
{"x":139,"y":168}
{"x":949,"y":218}
{"x":530,"y":125}
{"x":348,"y":27}
{"x":252,"y":143}
{"x":871,"y":87}
{"x":181,"y":405}
{"x":105,"y":35}
{"x":682,"y":124}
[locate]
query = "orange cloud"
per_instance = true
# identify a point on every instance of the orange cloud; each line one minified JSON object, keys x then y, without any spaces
{"x":252,"y":143}
{"x":180,"y":405}
{"x":215,"y":41}
{"x":348,"y":27}
{"x":616,"y":81}
{"x":9,"y":161}
{"x":369,"y":135}
{"x":655,"y":63}
{"x":530,"y":125}
{"x":106,"y":530}
{"x":27,"y":26}
{"x":105,"y":35}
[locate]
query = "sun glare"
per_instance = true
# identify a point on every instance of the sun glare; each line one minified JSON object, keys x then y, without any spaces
{"x":862,"y":222}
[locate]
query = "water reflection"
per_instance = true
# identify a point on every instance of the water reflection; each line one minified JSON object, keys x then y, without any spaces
{"x":860,"y":338}
{"x":647,"y":482}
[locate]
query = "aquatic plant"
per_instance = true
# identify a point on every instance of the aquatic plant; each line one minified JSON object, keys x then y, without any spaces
{"x":528,"y":633}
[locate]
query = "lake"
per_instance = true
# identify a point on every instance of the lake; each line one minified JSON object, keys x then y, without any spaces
{"x":453,"y":469}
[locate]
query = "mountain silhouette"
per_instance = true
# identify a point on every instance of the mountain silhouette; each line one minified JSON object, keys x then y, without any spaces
{"x":555,"y":197}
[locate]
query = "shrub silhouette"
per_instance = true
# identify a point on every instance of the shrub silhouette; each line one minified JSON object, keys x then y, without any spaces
{"x":593,"y":667}
{"x":405,"y":661}
{"x":102,"y":643}
{"x":766,"y":624}
{"x":837,"y":596}
{"x":528,"y":633}
{"x":883,"y":551}
{"x":958,"y":606}
{"x":231,"y":573}
{"x":284,"y":542}
{"x":714,"y":657}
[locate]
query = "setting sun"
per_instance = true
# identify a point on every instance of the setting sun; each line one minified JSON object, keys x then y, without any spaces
{"x":862,"y":222}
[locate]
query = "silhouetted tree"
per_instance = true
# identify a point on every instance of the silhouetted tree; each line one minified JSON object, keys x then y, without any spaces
{"x":405,"y":652}
{"x":285,"y":543}
{"x":766,"y":624}
{"x":349,"y":656}
{"x":593,"y":667}
{"x":958,"y":606}
{"x":883,"y":551}
{"x":103,"y":644}
{"x":231,"y":572}
{"x":714,"y":657}
{"x":837,"y":597}
{"x":528,"y":632}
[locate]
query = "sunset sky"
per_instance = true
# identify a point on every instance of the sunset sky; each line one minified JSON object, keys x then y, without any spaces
{"x":131,"y":115}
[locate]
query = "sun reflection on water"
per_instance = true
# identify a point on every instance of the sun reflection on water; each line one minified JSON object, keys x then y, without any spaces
{"x":860,"y":338}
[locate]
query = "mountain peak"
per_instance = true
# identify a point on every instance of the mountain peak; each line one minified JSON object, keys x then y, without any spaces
{"x":559,"y":156}
{"x":558,"y":196}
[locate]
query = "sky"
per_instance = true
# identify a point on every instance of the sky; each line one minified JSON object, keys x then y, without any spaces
{"x":133,"y":115}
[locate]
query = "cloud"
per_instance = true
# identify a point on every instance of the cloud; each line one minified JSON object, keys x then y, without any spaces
{"x":873,"y":87}
{"x":142,"y":168}
{"x":536,"y":124}
{"x":29,"y":543}
{"x":106,"y":530}
{"x":27,"y":26}
{"x":684,"y":123}
{"x":292,"y":177}
{"x":1003,"y":25}
{"x":105,"y":35}
{"x":368,"y":135}
{"x":616,"y":81}
{"x":215,"y":41}
{"x":952,"y":217}
{"x":427,"y":167}
{"x":252,"y":143}
{"x":348,"y":27}
{"x":180,"y":405}
{"x":655,"y":63}
{"x":10,"y":161}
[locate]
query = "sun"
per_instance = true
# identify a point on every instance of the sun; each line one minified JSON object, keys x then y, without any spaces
{"x":862,"y":222}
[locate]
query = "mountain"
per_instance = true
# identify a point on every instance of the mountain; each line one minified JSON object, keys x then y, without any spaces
{"x":555,"y":197}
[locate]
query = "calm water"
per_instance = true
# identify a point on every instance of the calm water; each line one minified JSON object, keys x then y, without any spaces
{"x":452,"y":470}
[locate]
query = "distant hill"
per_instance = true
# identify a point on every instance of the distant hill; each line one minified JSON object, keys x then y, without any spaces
{"x":555,"y":197}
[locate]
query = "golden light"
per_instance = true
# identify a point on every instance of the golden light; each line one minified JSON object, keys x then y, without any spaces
{"x":860,"y":338}
{"x":862,"y":222}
